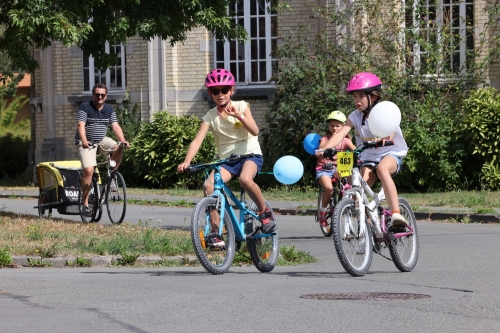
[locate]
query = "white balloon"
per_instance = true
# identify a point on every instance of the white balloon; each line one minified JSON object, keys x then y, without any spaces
{"x":384,"y":119}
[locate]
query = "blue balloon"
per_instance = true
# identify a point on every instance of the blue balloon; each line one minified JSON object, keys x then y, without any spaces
{"x":288,"y":170}
{"x":311,"y":143}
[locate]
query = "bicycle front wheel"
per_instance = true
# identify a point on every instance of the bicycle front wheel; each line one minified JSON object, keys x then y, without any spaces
{"x":116,"y":197}
{"x":93,"y":203}
{"x":263,"y":248}
{"x":404,"y":250}
{"x":351,"y":238}
{"x":215,"y":252}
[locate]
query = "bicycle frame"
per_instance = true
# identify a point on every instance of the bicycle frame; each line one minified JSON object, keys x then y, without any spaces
{"x":221,"y":191}
{"x":361,"y":190}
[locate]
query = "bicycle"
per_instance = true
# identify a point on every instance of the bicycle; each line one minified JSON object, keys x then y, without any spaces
{"x":339,"y":188}
{"x":356,"y":239}
{"x":233,"y":230}
{"x":113,"y":193}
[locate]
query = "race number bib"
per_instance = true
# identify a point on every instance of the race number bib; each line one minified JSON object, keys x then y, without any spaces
{"x":345,"y":161}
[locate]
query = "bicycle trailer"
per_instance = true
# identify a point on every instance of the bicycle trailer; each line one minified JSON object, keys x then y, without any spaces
{"x":59,"y":185}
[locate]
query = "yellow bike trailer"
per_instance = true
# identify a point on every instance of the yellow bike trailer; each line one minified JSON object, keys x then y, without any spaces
{"x":59,"y":185}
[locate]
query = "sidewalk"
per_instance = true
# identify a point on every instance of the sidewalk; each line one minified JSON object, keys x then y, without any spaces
{"x":306,"y":207}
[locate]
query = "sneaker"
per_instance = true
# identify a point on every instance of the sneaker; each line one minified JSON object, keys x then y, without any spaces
{"x":215,"y":242}
{"x":322,"y":219}
{"x":360,"y":248}
{"x":398,"y":220}
{"x":86,"y":211}
{"x":268,"y":223}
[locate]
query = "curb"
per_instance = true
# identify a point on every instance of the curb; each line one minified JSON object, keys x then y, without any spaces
{"x":98,"y":261}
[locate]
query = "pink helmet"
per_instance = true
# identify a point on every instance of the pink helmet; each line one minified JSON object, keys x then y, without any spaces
{"x":365,"y":81}
{"x":219,"y":77}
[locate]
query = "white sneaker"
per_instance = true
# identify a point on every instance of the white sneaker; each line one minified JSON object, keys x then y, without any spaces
{"x":113,"y":186}
{"x":398,"y":220}
{"x":360,"y":248}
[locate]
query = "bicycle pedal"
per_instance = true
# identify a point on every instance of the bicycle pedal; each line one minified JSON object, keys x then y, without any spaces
{"x":397,"y":230}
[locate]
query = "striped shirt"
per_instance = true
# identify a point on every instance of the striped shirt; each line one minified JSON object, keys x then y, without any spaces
{"x":96,"y":121}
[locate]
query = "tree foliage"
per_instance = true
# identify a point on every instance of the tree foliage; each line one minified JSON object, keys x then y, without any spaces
{"x":369,"y":35}
{"x":90,"y":24}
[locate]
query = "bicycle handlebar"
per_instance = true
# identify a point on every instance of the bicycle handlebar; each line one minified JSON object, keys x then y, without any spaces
{"x":331,"y":152}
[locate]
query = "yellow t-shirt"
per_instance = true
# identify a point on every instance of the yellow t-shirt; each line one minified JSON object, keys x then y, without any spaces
{"x":231,"y":137}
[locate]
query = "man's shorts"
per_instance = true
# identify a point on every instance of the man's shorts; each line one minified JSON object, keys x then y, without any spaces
{"x":88,"y":156}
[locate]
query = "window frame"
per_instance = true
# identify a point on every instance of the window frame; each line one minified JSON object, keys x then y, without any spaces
{"x":270,"y":61}
{"x":107,"y":74}
{"x":444,"y":7}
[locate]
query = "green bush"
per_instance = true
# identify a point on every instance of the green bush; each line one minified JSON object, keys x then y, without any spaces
{"x":480,"y":128}
{"x":162,"y":145}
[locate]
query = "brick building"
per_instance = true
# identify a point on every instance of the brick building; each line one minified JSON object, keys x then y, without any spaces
{"x":158,"y":76}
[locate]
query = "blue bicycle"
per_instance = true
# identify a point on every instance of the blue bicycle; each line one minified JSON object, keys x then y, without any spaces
{"x":216,"y":250}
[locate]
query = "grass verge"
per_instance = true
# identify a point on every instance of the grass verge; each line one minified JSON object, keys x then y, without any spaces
{"x":40,"y":239}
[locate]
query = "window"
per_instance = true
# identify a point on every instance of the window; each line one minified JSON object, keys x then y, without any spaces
{"x":440,"y":22}
{"x":113,"y":77}
{"x":250,"y":62}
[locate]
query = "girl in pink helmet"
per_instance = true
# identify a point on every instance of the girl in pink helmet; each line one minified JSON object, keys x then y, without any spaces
{"x":383,"y":162}
{"x":235,"y":132}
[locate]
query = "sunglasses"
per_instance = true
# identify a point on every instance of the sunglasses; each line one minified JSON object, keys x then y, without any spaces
{"x":100,"y":95}
{"x":216,"y":91}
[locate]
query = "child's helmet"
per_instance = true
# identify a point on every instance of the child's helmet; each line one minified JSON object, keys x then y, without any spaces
{"x":365,"y":81}
{"x":219,"y":77}
{"x":336,"y":115}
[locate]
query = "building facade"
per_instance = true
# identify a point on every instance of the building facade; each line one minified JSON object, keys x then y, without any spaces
{"x":157,"y":76}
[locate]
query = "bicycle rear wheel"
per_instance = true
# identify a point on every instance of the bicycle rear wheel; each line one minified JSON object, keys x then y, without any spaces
{"x":353,"y":241}
{"x":93,"y":202}
{"x":263,"y":248}
{"x":215,"y":258}
{"x":116,"y":197}
{"x":43,"y":198}
{"x":404,"y":250}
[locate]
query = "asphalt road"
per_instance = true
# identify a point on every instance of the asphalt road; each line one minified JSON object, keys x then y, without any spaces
{"x":457,"y":269}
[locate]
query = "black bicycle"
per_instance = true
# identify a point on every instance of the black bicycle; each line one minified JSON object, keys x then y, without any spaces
{"x":112,"y":192}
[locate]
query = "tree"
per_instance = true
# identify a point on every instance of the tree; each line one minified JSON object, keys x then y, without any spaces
{"x":90,"y":23}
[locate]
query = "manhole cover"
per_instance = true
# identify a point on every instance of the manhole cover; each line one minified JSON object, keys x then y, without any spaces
{"x":366,"y":296}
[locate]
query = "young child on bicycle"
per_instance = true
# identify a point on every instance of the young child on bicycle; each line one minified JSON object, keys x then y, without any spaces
{"x":326,"y":169}
{"x":383,"y":162}
{"x":235,"y":132}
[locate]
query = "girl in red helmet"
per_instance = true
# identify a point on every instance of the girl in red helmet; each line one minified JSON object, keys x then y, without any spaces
{"x":235,"y":132}
{"x":384,"y":162}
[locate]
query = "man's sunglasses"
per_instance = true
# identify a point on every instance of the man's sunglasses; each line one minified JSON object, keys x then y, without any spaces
{"x":216,"y":91}
{"x":100,"y":95}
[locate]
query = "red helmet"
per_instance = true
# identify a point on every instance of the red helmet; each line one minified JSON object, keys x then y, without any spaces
{"x":365,"y":81}
{"x":219,"y":77}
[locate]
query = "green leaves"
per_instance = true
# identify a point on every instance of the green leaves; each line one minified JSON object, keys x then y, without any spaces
{"x":89,"y":24}
{"x":480,"y":126}
{"x":162,"y":145}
